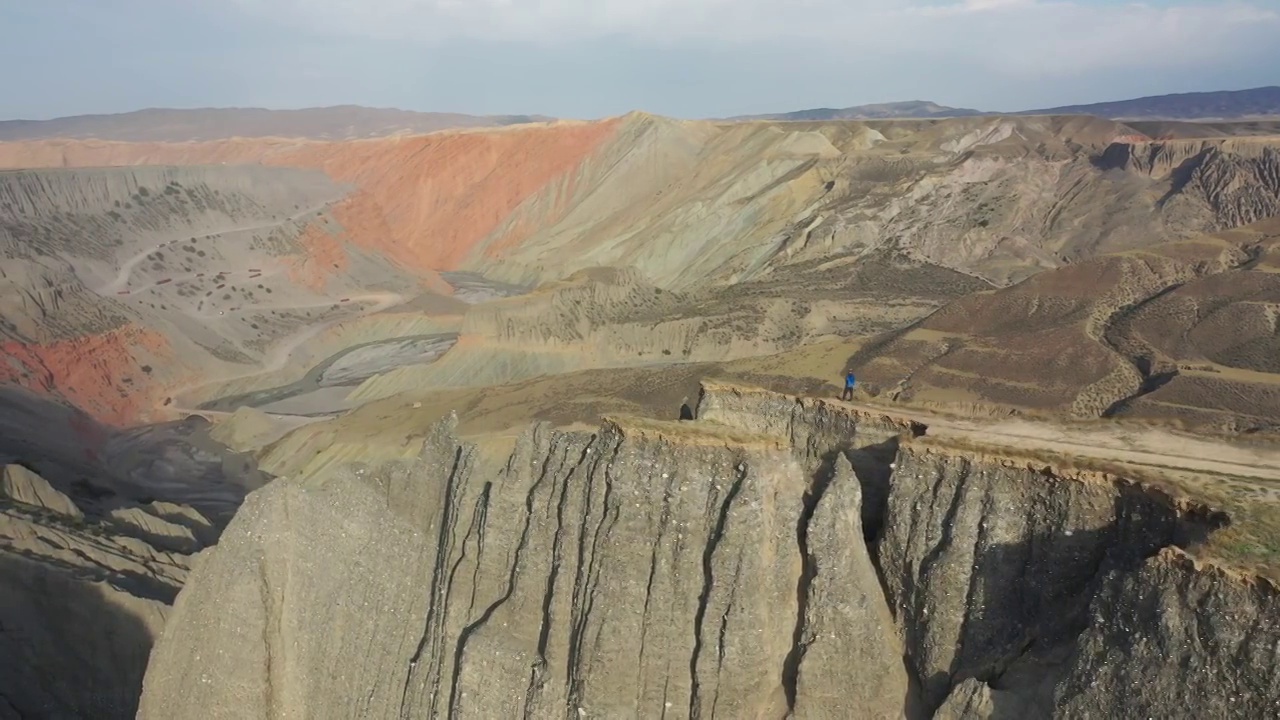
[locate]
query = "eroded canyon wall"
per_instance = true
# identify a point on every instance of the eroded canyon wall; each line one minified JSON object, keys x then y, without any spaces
{"x":719,"y":567}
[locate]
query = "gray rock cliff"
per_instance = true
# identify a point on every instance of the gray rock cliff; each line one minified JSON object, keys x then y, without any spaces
{"x":725,"y":567}
{"x":82,"y":598}
{"x":1178,"y":637}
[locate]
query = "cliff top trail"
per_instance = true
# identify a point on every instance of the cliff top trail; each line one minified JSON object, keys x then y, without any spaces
{"x":1155,"y":449}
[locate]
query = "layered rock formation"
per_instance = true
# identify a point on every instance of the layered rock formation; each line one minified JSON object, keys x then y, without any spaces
{"x":1197,"y":641}
{"x":989,"y":566}
{"x":84,"y":596}
{"x":775,"y":556}
{"x":1238,"y":178}
{"x":122,"y":286}
{"x":424,"y":201}
{"x":83,"y":252}
{"x":98,"y":528}
{"x":672,"y":622}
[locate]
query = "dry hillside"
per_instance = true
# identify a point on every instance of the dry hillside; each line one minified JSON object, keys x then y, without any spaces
{"x":1177,"y":330}
{"x":1053,"y":494}
{"x":741,"y":239}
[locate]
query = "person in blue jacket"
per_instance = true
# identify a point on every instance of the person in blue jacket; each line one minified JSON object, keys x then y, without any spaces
{"x":849,"y":381}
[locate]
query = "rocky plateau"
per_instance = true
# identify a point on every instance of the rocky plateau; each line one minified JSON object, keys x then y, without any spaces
{"x":774,"y":557}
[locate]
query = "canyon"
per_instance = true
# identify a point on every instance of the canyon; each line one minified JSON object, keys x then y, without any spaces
{"x":539,"y":420}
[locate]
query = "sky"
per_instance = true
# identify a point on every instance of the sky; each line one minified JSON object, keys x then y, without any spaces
{"x":596,"y":58}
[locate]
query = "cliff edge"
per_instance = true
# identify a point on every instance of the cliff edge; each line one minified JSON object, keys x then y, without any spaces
{"x":777,"y":556}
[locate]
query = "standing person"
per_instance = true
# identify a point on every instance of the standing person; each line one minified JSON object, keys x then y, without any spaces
{"x":849,"y":381}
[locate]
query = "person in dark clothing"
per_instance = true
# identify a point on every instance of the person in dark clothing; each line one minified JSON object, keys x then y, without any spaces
{"x":686,"y":412}
{"x":849,"y":381}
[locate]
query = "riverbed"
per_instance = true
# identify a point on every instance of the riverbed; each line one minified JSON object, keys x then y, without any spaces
{"x":323,"y":390}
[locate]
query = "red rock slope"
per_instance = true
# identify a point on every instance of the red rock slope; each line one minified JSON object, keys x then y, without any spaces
{"x":424,"y":201}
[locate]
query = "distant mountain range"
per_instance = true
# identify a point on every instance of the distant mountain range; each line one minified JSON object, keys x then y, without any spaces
{"x":345,"y":122}
{"x":1218,"y":105}
{"x":341,"y":122}
{"x":907,"y":109}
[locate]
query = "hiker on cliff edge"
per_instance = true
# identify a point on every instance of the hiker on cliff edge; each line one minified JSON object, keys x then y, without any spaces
{"x":849,"y":382}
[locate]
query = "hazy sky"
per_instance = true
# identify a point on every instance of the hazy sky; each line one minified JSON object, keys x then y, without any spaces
{"x":592,"y":58}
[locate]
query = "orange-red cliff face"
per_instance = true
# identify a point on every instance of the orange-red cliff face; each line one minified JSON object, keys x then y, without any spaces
{"x":442,"y":194}
{"x":426,"y":201}
{"x":109,"y":375}
{"x":323,"y":256}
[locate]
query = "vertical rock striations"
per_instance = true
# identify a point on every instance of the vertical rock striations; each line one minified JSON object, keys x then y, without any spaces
{"x":722,"y":567}
{"x":987,"y":563}
{"x":82,"y":596}
{"x":647,"y":569}
{"x":847,"y":652}
{"x":818,"y":431}
{"x":1177,"y":639}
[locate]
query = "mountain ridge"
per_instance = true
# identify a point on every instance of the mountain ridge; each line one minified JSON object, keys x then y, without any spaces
{"x":1207,"y":105}
{"x":350,"y":122}
{"x":332,"y":122}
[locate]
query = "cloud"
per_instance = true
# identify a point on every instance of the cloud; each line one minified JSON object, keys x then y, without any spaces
{"x":975,"y":6}
{"x":716,"y":20}
{"x":579,"y":58}
{"x":1056,"y":39}
{"x":1011,"y":37}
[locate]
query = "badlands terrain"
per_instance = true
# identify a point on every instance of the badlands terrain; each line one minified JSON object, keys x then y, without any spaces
{"x":541,"y":420}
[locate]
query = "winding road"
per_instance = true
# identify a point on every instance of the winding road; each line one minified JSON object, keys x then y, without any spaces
{"x":124,"y":274}
{"x":278,"y":356}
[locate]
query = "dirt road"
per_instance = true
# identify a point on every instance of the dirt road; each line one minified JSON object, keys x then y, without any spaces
{"x":1115,"y":442}
{"x":126,"y":270}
